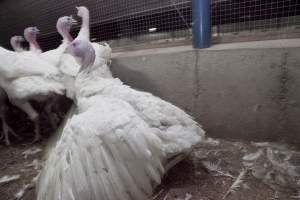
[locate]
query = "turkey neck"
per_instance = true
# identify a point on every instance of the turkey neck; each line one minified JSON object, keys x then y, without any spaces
{"x":67,"y":38}
{"x":14,"y":45}
{"x":33,"y":45}
{"x":84,"y":33}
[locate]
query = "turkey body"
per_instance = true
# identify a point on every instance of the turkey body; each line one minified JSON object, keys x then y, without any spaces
{"x":14,"y":65}
{"x":177,"y":130}
{"x":24,"y":76}
{"x":106,"y":151}
{"x":64,"y":62}
{"x":117,"y":145}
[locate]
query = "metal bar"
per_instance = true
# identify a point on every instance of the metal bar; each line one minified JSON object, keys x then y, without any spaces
{"x":201,"y":24}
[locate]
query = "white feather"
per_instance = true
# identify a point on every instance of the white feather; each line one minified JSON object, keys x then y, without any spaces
{"x":236,"y":184}
{"x":105,"y":152}
{"x":14,"y":65}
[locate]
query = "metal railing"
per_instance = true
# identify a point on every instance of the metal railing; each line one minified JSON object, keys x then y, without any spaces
{"x":142,"y":23}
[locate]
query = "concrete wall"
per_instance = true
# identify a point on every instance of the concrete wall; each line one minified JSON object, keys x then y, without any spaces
{"x":247,"y":91}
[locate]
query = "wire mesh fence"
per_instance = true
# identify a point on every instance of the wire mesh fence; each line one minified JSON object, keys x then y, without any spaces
{"x":128,"y":23}
{"x":255,"y":19}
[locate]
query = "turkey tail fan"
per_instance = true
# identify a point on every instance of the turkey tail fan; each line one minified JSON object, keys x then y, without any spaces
{"x":100,"y":158}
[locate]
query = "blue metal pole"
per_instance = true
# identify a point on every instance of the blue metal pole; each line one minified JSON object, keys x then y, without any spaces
{"x":201,"y":24}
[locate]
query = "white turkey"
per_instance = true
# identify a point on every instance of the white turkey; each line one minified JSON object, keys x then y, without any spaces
{"x":178,"y":131}
{"x":25,"y":77}
{"x":16,"y":43}
{"x":106,"y":150}
{"x":113,"y":149}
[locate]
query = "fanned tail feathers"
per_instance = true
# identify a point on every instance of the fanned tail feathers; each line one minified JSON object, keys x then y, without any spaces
{"x":86,"y":164}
